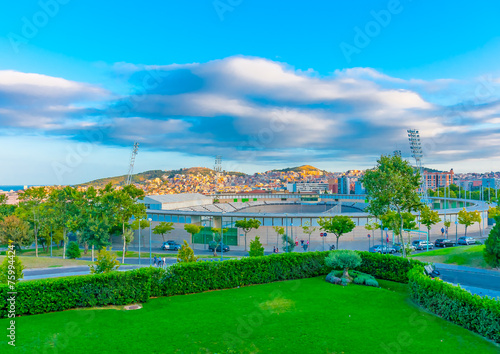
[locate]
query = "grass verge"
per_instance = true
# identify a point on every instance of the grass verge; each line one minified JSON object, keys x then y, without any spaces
{"x":46,"y":262}
{"x":300,"y":316}
{"x":471,"y":256}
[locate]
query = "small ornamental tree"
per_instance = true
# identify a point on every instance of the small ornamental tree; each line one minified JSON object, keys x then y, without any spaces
{"x":280,"y":231}
{"x":308,"y":229}
{"x":256,"y":248}
{"x":338,"y":225}
{"x":163,"y":228}
{"x":105,"y":263}
{"x":345,"y":259}
{"x":491,"y":252}
{"x":11,"y":269}
{"x":246,"y":226}
{"x":193,"y":229}
{"x":428,"y":217}
{"x":468,"y":218}
{"x":186,"y":254}
{"x":73,"y":250}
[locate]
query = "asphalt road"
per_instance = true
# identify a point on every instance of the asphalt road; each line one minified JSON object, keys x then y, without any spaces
{"x":471,"y":278}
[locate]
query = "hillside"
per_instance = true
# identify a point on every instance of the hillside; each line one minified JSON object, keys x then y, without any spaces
{"x":303,"y":168}
{"x":120,"y":180}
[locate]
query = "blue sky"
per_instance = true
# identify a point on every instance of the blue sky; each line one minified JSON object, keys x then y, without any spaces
{"x":264,"y":84}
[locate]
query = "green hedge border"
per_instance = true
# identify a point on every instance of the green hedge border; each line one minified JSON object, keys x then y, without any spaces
{"x":481,"y":315}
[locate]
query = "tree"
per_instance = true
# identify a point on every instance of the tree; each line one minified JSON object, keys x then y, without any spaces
{"x":491,"y":252}
{"x":447,"y":224}
{"x":73,"y":250}
{"x":163,"y":228}
{"x":105,"y":263}
{"x":468,"y":218}
{"x":345,"y":259}
{"x":288,"y":243}
{"x":11,"y":269}
{"x":193,"y":229}
{"x":186,"y":254}
{"x":308,"y":229}
{"x":217,"y":238}
{"x":280,"y":231}
{"x":372,"y":227}
{"x":392,"y":185}
{"x":246,"y":226}
{"x":17,"y":230}
{"x":256,"y":248}
{"x":338,"y":225}
{"x":30,"y":209}
{"x":142,"y":224}
{"x":428,"y":217}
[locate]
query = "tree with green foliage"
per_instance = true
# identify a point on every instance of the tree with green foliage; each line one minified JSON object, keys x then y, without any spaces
{"x":246,"y":226}
{"x":217,"y":238}
{"x":345,"y":259}
{"x":280,"y":231}
{"x":11,"y":269}
{"x":308,"y":229}
{"x":428,"y":217}
{"x":391,"y":220}
{"x":338,"y":225}
{"x":3,"y":199}
{"x":288,"y":243}
{"x":468,"y":218}
{"x":193,"y":229}
{"x":140,"y":224}
{"x":163,"y":228}
{"x":491,"y":252}
{"x":17,"y":230}
{"x":106,"y":262}
{"x":256,"y":248}
{"x":6,"y":209}
{"x":30,"y":209}
{"x":392,"y":185}
{"x":447,"y":224}
{"x":186,"y":254}
{"x":73,"y":250}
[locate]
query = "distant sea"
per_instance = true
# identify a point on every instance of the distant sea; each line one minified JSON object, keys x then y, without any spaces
{"x":10,"y":188}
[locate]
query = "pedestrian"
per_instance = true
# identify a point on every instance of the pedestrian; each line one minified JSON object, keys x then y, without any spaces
{"x":296,"y":242}
{"x":164,"y":261}
{"x":154,"y":259}
{"x":274,"y":249}
{"x":277,"y":250}
{"x":442,"y":231}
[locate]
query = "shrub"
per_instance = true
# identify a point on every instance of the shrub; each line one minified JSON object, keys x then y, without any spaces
{"x":491,"y":252}
{"x":371,"y":282}
{"x":186,"y":254}
{"x":11,"y":269}
{"x":256,"y":248}
{"x":345,"y":259}
{"x":481,"y":315}
{"x":73,"y":250}
{"x":331,"y":278}
{"x":105,"y":263}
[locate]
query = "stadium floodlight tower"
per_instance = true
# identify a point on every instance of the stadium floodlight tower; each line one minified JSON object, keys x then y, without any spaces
{"x":218,"y":166}
{"x":132,"y":161}
{"x":416,"y":152}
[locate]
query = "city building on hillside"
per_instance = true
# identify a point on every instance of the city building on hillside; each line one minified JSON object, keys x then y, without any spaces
{"x":359,"y":188}
{"x":436,"y":180}
{"x":489,"y":183}
{"x":344,"y":185}
{"x":308,"y":187}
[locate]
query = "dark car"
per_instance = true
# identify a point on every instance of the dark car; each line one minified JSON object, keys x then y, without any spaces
{"x":170,"y":246}
{"x":382,"y":249}
{"x":444,"y":242}
{"x":466,"y":240}
{"x":225,"y":247}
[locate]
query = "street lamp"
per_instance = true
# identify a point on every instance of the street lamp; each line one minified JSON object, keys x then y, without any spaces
{"x":204,"y":237}
{"x":140,"y":241}
{"x":150,"y":224}
{"x":286,"y":233}
{"x":456,"y":232}
{"x":221,"y":236}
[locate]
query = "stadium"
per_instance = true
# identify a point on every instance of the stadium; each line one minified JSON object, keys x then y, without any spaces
{"x":291,"y":211}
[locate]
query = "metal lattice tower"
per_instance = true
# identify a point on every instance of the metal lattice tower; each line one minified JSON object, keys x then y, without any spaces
{"x":218,"y":167}
{"x":417,"y":153}
{"x":132,"y":161}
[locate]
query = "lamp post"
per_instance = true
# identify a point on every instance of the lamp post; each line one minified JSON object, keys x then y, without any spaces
{"x":456,"y":232}
{"x":386,"y":235}
{"x":140,"y":241}
{"x":204,"y":237}
{"x":221,"y":236}
{"x":286,"y":233}
{"x":150,"y":224}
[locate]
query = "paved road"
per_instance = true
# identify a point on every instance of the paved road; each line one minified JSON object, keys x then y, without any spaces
{"x":42,"y":273}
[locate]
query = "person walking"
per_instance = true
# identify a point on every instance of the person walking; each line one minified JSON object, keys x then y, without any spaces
{"x":154,"y":260}
{"x":164,"y":261}
{"x":442,"y":232}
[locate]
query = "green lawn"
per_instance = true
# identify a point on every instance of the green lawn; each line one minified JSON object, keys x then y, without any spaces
{"x":46,"y":262}
{"x":300,"y":316}
{"x":471,"y":256}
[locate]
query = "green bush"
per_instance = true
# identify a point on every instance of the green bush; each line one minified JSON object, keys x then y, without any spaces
{"x":11,"y":269}
{"x":105,"y":263}
{"x":491,"y":252}
{"x":256,"y":248}
{"x":371,"y":282}
{"x":480,"y":315}
{"x":59,"y":294}
{"x":73,"y":250}
{"x":186,"y":254}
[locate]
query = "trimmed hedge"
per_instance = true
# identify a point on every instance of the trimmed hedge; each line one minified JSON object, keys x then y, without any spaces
{"x":473,"y":312}
{"x":58,"y":294}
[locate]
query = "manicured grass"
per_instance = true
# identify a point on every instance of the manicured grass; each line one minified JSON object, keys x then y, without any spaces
{"x":300,"y":316}
{"x":45,"y":262}
{"x":471,"y":256}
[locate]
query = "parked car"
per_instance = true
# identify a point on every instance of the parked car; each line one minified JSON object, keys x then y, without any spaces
{"x":382,"y":249}
{"x":399,"y":246}
{"x":444,"y":242}
{"x":170,"y":246}
{"x":466,"y":241}
{"x":422,"y":244}
{"x":212,"y":244}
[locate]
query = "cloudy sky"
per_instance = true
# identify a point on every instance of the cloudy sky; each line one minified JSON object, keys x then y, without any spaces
{"x":264,"y":84}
